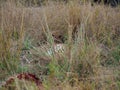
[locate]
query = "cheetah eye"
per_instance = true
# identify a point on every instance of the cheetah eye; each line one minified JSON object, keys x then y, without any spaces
{"x":53,"y":35}
{"x":29,"y":52}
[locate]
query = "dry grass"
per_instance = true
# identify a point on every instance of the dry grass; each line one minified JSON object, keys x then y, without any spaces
{"x":89,"y":34}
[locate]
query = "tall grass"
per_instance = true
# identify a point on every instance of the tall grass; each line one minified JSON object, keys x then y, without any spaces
{"x":11,"y":37}
{"x":90,"y":40}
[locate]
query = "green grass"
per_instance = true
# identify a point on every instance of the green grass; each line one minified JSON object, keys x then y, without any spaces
{"x":90,"y":45}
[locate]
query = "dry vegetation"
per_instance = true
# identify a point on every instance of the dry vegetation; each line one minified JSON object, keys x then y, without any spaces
{"x":68,"y":46}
